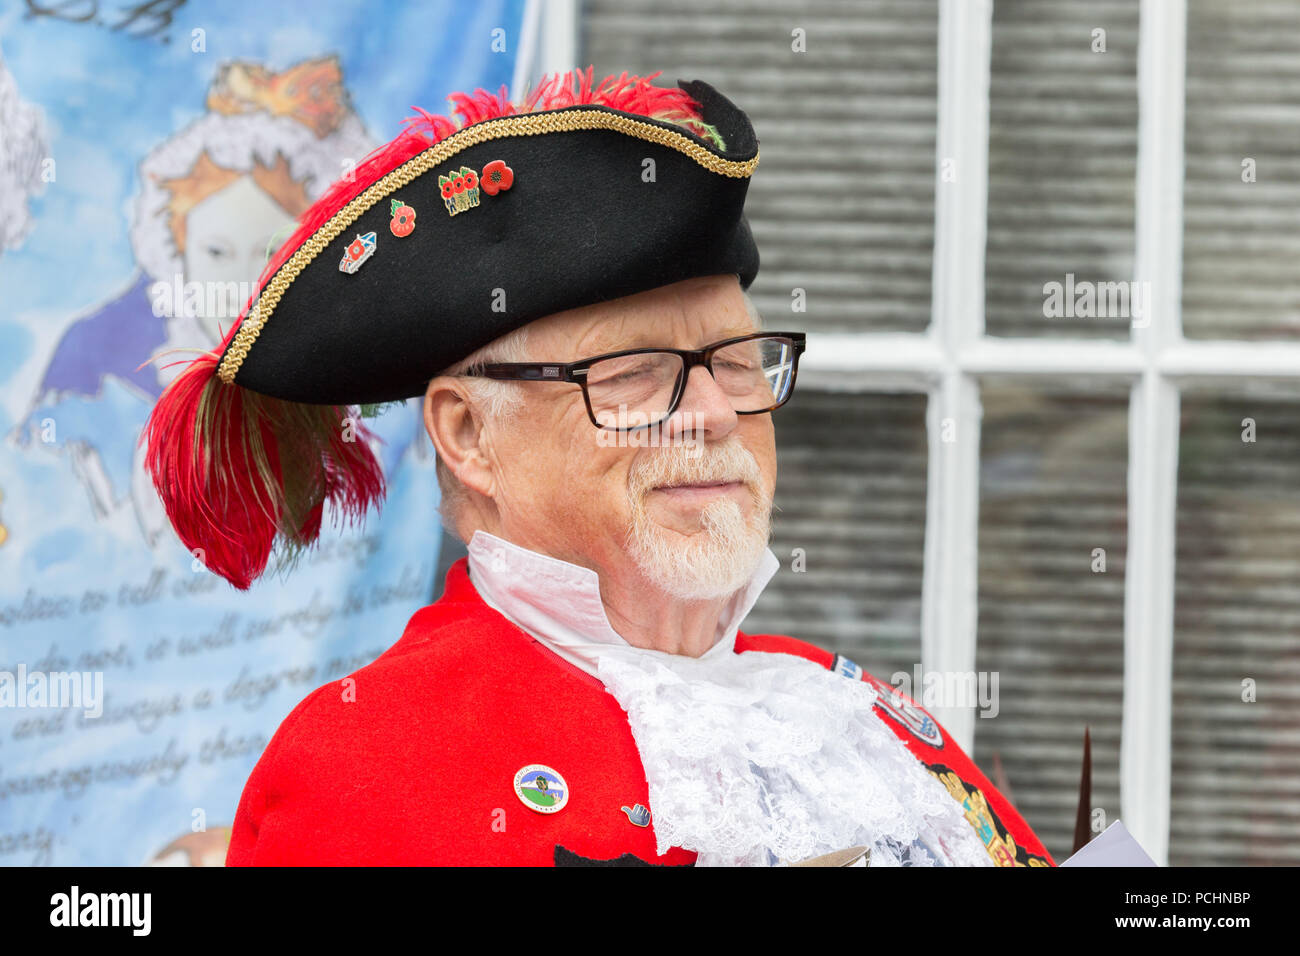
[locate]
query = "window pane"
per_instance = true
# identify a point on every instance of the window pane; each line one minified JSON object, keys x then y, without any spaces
{"x":1062,"y":165}
{"x":1240,"y":243}
{"x":851,"y":494}
{"x":1236,"y":763}
{"x":1051,"y":621}
{"x":842,"y":204}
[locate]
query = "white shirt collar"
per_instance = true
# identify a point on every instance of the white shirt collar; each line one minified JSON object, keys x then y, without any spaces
{"x":559,"y":603}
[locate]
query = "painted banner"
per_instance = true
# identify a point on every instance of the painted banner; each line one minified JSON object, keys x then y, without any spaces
{"x":152,"y":154}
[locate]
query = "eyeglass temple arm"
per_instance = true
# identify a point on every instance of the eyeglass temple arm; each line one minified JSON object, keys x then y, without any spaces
{"x":530,"y":372}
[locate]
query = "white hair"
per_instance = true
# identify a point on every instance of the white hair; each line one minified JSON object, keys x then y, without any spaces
{"x":499,"y":401}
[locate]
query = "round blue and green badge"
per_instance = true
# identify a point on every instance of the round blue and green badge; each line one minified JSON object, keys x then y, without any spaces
{"x":542,"y":789}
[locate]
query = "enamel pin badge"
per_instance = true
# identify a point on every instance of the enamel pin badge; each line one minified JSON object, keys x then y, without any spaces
{"x":360,"y":249}
{"x":463,"y":188}
{"x":542,"y":789}
{"x":638,"y":815}
{"x":459,"y":189}
{"x":403,"y":223}
{"x":497,"y":177}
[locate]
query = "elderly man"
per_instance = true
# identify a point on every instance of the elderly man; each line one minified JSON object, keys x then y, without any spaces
{"x":600,"y":391}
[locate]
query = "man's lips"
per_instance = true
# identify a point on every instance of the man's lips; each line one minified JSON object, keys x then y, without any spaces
{"x":699,"y":489}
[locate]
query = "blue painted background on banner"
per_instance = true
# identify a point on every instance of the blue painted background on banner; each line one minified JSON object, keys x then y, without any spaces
{"x":145,"y":143}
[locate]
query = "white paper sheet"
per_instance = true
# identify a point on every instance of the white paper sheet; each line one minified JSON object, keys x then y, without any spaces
{"x":1114,"y":847}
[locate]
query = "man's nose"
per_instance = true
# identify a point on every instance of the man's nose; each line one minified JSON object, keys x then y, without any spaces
{"x":704,"y":407}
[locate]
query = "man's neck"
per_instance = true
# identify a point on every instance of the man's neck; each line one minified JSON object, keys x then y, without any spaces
{"x":646,"y":617}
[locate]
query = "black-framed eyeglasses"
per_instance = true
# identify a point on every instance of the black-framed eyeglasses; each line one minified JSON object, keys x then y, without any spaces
{"x":638,"y":388}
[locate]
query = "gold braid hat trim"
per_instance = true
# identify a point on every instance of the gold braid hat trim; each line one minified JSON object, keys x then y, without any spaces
{"x":436,"y":155}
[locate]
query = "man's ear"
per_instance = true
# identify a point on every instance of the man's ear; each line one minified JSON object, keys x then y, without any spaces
{"x":456,"y":431}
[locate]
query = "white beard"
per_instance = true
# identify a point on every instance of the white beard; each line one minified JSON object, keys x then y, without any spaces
{"x":721,"y":558}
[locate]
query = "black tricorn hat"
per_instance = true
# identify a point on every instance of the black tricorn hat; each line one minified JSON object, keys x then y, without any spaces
{"x":502,"y":222}
{"x":439,"y":242}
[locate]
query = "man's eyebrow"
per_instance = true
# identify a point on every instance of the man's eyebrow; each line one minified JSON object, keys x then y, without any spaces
{"x":608,"y":343}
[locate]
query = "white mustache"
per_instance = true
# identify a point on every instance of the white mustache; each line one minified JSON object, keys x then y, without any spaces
{"x":678,"y":465}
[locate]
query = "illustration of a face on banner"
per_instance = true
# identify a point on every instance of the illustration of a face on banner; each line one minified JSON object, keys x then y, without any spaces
{"x":222,"y":222}
{"x":214,"y":201}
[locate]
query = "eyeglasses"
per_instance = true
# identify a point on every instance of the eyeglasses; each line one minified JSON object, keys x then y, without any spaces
{"x":638,"y":388}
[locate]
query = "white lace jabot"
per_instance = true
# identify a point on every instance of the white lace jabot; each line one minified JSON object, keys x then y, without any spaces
{"x":751,"y":759}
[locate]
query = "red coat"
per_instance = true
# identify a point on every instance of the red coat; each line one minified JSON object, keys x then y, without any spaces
{"x":414,"y":761}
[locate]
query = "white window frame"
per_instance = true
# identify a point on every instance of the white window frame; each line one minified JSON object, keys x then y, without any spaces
{"x":1158,"y":361}
{"x":948,"y":360}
